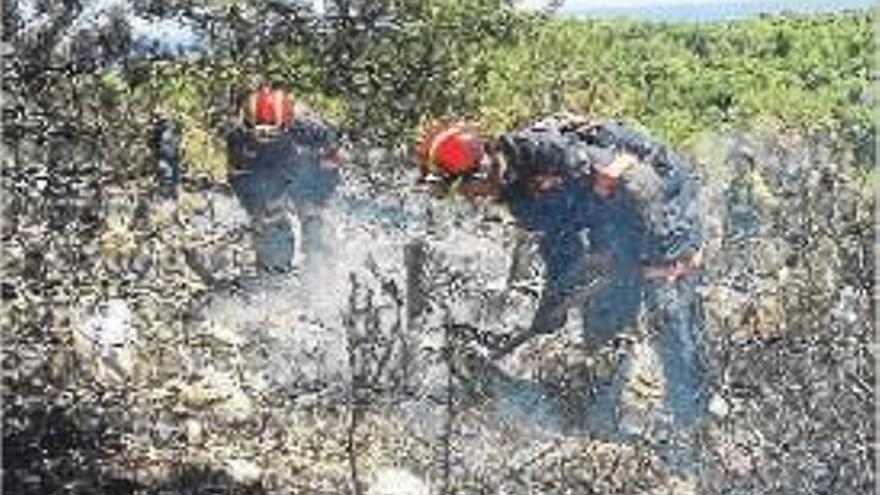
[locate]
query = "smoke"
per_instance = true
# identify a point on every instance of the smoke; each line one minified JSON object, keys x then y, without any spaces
{"x":356,"y":235}
{"x":295,"y":323}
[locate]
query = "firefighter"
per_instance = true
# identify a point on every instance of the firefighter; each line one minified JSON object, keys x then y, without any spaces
{"x":620,"y":234}
{"x":281,"y":171}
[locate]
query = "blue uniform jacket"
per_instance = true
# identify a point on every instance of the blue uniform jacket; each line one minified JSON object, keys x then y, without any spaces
{"x":652,"y":218}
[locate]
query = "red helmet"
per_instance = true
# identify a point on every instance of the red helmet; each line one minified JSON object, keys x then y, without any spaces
{"x":451,"y":149}
{"x":268,"y":108}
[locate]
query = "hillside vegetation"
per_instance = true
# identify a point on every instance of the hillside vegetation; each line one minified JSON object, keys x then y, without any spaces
{"x":805,"y":73}
{"x":787,"y":74}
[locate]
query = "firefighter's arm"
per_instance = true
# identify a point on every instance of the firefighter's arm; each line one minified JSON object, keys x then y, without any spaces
{"x":663,"y":202}
{"x":627,"y":178}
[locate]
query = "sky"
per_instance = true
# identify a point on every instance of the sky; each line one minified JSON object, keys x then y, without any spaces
{"x":583,"y":4}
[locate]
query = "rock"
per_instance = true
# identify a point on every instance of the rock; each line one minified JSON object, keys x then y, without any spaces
{"x":194,"y":432}
{"x":718,"y":406}
{"x":106,"y":341}
{"x":243,"y":471}
{"x":396,"y":481}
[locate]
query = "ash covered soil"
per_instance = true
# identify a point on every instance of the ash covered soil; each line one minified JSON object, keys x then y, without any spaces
{"x":143,"y":355}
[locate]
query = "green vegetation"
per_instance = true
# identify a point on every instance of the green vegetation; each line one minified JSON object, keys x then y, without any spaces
{"x":479,"y":59}
{"x":804,"y":74}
